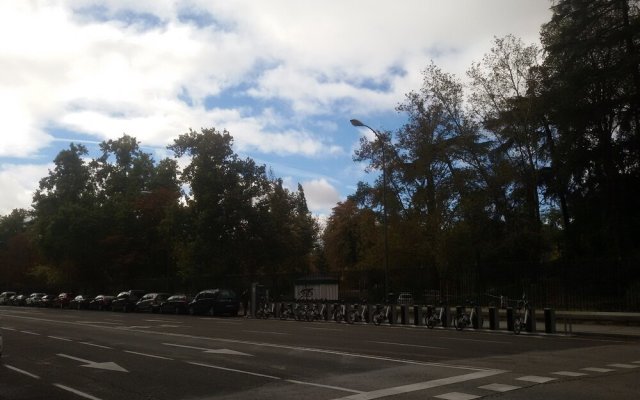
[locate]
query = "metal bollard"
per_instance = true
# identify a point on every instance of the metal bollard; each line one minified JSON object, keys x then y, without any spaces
{"x":477,"y":318}
{"x":393,"y":315}
{"x":370,"y":311}
{"x":510,"y":318}
{"x":417,"y":315}
{"x":549,"y":320}
{"x":494,"y":320}
{"x":277,"y":310}
{"x":446,"y":317}
{"x":404,"y":314}
{"x":531,"y":323}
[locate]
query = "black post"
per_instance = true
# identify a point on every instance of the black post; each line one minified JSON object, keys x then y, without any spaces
{"x":494,"y":321}
{"x":549,"y":320}
{"x":510,"y":318}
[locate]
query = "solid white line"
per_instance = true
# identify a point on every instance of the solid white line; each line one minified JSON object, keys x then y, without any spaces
{"x":234,"y":370}
{"x":323,"y":386}
{"x":421,"y":386}
{"x":410,"y":345}
{"x":76,"y":392}
{"x":96,"y":345}
{"x":29,"y":374}
{"x":30,"y":333}
{"x":267,"y":332}
{"x":147,"y":355}
{"x":475,"y":340}
{"x":60,"y":338}
{"x":163,"y":320}
{"x":322,"y":329}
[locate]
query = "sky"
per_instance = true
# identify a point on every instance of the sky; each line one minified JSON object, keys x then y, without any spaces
{"x":284,"y":77}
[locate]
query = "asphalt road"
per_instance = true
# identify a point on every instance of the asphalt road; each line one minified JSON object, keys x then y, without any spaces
{"x":67,"y":354}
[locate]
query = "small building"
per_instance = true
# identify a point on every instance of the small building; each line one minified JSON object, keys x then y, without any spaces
{"x":316,"y":288}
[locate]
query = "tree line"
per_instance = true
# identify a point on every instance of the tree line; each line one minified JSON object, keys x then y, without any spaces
{"x":123,"y":219}
{"x":526,"y":173}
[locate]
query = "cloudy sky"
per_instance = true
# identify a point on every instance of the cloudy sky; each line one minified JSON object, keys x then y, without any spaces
{"x":282,"y":76}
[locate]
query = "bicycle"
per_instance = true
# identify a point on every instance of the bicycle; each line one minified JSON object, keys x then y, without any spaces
{"x":520,"y":321}
{"x":436,"y":317}
{"x":381,"y":314}
{"x":357,"y":313}
{"x":465,"y":319}
{"x":264,"y":310}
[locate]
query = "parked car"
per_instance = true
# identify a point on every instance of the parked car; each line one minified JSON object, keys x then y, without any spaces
{"x":214,"y":302}
{"x":5,"y":296}
{"x":126,"y":301}
{"x":1,"y":343}
{"x":62,"y":300}
{"x":34,"y":299}
{"x":176,"y":304}
{"x":18,"y":300}
{"x":405,"y":298}
{"x":101,"y":302}
{"x":46,"y":301}
{"x":80,"y":302}
{"x":151,"y":302}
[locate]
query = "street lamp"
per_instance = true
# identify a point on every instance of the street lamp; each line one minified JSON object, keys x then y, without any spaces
{"x":357,"y":123}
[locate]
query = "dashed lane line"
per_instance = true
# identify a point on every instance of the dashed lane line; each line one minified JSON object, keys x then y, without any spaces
{"x":499,"y":387}
{"x":21,"y":371}
{"x":147,"y":355}
{"x":60,"y":338}
{"x":76,"y":391}
{"x":30,"y":333}
{"x":595,"y":369}
{"x":323,"y":386}
{"x":569,"y":373}
{"x":9,"y":329}
{"x":457,"y":396}
{"x":626,"y":366}
{"x":536,"y":379}
{"x":96,"y":345}
{"x":267,"y":332}
{"x":233,"y":370}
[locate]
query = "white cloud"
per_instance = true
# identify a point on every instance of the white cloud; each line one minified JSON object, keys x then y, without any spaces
{"x":321,"y":195}
{"x":18,"y":183}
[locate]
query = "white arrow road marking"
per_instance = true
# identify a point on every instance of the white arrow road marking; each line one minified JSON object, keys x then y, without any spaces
{"x":111,"y":366}
{"x":210,"y":351}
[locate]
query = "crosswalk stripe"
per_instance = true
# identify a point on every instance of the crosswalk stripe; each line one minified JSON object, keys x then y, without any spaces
{"x":535,"y":379}
{"x":594,"y":369}
{"x":569,"y":373}
{"x":499,"y":387}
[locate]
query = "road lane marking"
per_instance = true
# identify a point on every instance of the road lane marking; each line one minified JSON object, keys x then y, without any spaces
{"x":76,"y":392}
{"x":569,"y":373}
{"x":147,"y":355}
{"x":206,"y":350}
{"x":98,"y":322}
{"x":267,"y":332}
{"x":30,"y":333}
{"x":628,"y":366}
{"x":109,"y":365}
{"x":234,"y":370}
{"x":499,"y":387}
{"x":96,"y":345}
{"x":536,"y":379}
{"x":322,"y":329}
{"x":594,"y":369}
{"x":60,"y":338}
{"x":23,"y":372}
{"x":163,"y":320}
{"x":9,"y":329}
{"x":323,"y":386}
{"x":272,"y":345}
{"x":376,"y":394}
{"x":475,"y":340}
{"x":457,"y":396}
{"x":410,"y":345}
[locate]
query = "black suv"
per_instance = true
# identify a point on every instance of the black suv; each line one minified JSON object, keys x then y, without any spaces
{"x":214,"y":302}
{"x":126,"y":301}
